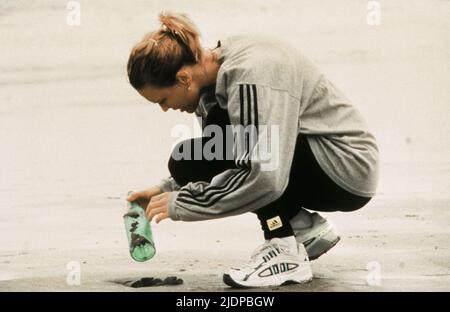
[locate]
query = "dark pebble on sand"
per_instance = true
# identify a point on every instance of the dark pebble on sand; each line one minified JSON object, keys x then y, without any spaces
{"x":151,"y":281}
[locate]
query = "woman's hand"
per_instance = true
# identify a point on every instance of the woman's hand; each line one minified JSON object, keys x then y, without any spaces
{"x":143,"y":197}
{"x":158,"y":207}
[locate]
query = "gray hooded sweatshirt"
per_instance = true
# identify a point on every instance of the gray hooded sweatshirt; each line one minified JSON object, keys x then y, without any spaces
{"x":270,"y":86}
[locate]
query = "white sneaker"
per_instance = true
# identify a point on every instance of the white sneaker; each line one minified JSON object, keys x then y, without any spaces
{"x":271,"y":264}
{"x":318,"y":238}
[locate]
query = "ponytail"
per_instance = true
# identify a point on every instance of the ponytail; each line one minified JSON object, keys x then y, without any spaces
{"x":160,"y":55}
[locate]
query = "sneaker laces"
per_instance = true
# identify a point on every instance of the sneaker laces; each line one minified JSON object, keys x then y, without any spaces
{"x":260,"y":251}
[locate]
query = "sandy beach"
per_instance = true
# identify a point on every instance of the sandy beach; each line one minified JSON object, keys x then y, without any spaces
{"x":75,"y":138}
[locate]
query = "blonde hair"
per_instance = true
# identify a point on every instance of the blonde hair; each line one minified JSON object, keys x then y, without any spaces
{"x":157,"y":58}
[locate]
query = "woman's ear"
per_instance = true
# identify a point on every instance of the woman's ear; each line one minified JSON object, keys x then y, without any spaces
{"x":184,"y":78}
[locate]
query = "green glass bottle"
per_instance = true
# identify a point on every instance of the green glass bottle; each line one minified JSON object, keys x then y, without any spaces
{"x":139,"y":233}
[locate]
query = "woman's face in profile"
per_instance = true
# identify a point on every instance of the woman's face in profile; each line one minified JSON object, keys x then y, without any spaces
{"x":177,"y":97}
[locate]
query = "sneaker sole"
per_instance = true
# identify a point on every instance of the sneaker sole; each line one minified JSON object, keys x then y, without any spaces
{"x":322,"y":244}
{"x":228,"y":280}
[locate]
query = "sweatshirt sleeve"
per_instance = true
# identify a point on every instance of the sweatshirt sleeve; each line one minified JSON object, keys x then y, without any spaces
{"x":168,"y":185}
{"x":265,"y":123}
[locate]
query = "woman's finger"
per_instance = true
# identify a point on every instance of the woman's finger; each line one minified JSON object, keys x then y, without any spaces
{"x":134,"y":196}
{"x":154,"y":212}
{"x":156,"y":203}
{"x":162,"y":216}
{"x":160,"y":196}
{"x":152,"y":206}
{"x":146,"y":194}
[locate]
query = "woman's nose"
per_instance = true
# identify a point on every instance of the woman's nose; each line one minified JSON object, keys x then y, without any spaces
{"x":164,"y":108}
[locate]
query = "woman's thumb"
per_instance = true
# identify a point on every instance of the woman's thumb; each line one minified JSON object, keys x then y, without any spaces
{"x":133,"y":196}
